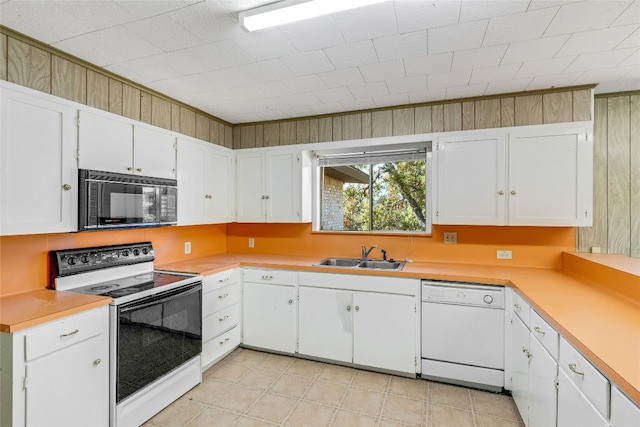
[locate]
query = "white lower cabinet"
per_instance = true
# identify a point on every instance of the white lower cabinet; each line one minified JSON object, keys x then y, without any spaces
{"x":574,"y":409}
{"x":57,"y":373}
{"x":624,"y":413}
{"x":269,"y":310}
{"x":221,"y":295}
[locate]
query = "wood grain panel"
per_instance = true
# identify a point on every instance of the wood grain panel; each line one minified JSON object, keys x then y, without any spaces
{"x":325,"y":129}
{"x":214,"y":132}
{"x":288,"y":133}
{"x":487,"y":113}
{"x":175,"y":117}
{"x":259,"y":135}
{"x":404,"y":121}
{"x":336,"y":132}
{"x":366,"y":125}
{"x":618,"y":176}
{"x":130,"y":101}
{"x":557,"y":107}
{"x":313,"y":130}
{"x":3,"y":57}
{"x":381,"y":123}
{"x":437,"y":118}
{"x":187,"y":122}
{"x":28,"y":65}
{"x":228,"y":136}
{"x":97,"y":90}
{"x":507,"y":111}
{"x":452,"y":116}
{"x":468,"y":115}
{"x":423,"y":119}
{"x":634,"y":132}
{"x":302,"y":132}
{"x":160,"y":112}
{"x":352,"y":126}
{"x":68,"y":80}
{"x":528,"y":110}
{"x":271,"y":134}
{"x":237,"y":138}
{"x":116,"y":94}
{"x":202,"y":127}
{"x":582,"y":100}
{"x":145,"y":106}
{"x":596,"y":235}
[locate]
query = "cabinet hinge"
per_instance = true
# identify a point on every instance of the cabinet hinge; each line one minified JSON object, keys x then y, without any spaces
{"x":298,"y":156}
{"x":298,"y":213}
{"x":25,"y":383}
{"x":556,"y":382}
{"x":586,"y":213}
{"x":78,"y":120}
{"x":437,"y":212}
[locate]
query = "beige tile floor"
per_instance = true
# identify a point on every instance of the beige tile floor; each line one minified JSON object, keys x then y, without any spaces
{"x":251,"y":388}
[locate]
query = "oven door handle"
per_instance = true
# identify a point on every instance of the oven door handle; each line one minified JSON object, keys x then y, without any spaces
{"x":161,"y":298}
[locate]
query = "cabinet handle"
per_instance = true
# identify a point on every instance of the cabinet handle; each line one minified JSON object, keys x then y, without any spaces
{"x":263,"y":197}
{"x":517,"y":307}
{"x":226,"y":279}
{"x":348,"y":308}
{"x":222,"y":319}
{"x":513,"y":192}
{"x":97,"y":362}
{"x":574,"y":369}
{"x":225,"y":340}
{"x":223,"y":296}
{"x":501,"y":193}
{"x":526,"y":352}
{"x":266,"y":277}
{"x":129,"y":169}
{"x":538,"y":330}
{"x":357,"y":308}
{"x":66,"y":187}
{"x":290,"y":301}
{"x":68,"y":334}
{"x":139,"y":169}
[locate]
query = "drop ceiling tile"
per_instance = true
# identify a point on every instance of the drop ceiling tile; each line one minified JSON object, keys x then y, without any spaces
{"x":632,"y":41}
{"x":305,"y":63}
{"x":343,"y":77}
{"x":89,"y":50}
{"x":507,"y":86}
{"x":123,"y":41}
{"x":352,"y":54}
{"x":391,"y":100}
{"x":382,"y":71}
{"x":585,"y":15}
{"x":265,"y":71}
{"x":407,"y":84}
{"x":605,"y":74}
{"x":470,"y":91}
{"x":401,"y":46}
{"x":300,"y":100}
{"x":210,"y":21}
{"x":328,"y":108}
{"x":477,"y":10}
{"x":304,"y":84}
{"x":214,"y":80}
{"x":494,"y":74}
{"x":420,"y":15}
{"x":629,"y":83}
{"x":222,"y":54}
{"x":632,"y":60}
{"x":165,"y":33}
{"x":544,"y":67}
{"x":476,"y":58}
{"x":268,"y":44}
{"x":357,"y":104}
{"x":333,"y":95}
{"x":147,"y":9}
{"x":368,"y":22}
{"x":431,"y":64}
{"x":322,"y":34}
{"x":630,"y":15}
{"x":368,"y":90}
{"x":531,"y":50}
{"x":518,"y":27}
{"x":596,"y":40}
{"x":158,"y":67}
{"x":553,"y":81}
{"x":456,"y":37}
{"x":97,"y":14}
{"x":445,"y":80}
{"x":541,"y":4}
{"x":427,"y":96}
{"x":591,"y":61}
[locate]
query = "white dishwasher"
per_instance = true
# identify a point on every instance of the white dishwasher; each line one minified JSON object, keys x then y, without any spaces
{"x":463,"y":333}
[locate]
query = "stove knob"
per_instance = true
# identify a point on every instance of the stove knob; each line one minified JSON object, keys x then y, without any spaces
{"x":136,"y":252}
{"x":125,"y":252}
{"x":488,"y":299}
{"x":71,"y":260}
{"x":84,"y":259}
{"x":145,"y":251}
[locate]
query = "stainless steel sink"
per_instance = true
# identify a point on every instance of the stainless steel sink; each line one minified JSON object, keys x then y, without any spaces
{"x":360,"y":263}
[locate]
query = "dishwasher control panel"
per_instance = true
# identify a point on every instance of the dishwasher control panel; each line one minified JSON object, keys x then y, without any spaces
{"x":461,"y":293}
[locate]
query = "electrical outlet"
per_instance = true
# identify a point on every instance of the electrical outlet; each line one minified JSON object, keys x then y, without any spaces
{"x":503,"y":254}
{"x":451,"y":237}
{"x":187,"y":247}
{"x":595,"y":249}
{"x":251,"y":242}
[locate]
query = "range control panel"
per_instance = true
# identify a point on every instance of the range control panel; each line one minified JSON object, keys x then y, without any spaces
{"x":73,"y":261}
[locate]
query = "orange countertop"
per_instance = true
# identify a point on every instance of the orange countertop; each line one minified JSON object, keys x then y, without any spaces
{"x":32,"y":308}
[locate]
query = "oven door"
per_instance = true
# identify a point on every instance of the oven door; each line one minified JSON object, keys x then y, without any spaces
{"x":155,"y":335}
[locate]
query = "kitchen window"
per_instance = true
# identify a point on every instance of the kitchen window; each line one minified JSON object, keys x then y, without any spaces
{"x":375,"y":191}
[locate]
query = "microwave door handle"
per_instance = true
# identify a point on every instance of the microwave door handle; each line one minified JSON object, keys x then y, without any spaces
{"x":155,"y":299}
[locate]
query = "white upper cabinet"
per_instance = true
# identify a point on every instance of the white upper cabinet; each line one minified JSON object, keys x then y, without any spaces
{"x":205,"y":182}
{"x":111,"y":143}
{"x":38,"y":172}
{"x":536,"y":175}
{"x":272,"y":186}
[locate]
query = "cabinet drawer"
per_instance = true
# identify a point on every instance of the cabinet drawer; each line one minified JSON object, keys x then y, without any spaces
{"x":215,"y":281}
{"x":275,"y":277}
{"x":220,"y":298}
{"x":214,"y":349}
{"x":585,"y":376}
{"x":220,"y":321}
{"x":521,"y":308}
{"x":544,"y":333}
{"x":63,"y":333}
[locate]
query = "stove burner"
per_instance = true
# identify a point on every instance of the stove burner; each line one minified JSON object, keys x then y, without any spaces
{"x":104,"y":287}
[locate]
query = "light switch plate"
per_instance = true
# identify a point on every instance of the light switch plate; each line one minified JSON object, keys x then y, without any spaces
{"x":503,"y":254}
{"x":187,"y":247}
{"x":451,"y":237}
{"x":251,"y":242}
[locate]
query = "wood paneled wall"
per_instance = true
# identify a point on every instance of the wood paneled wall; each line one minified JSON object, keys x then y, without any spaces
{"x":37,"y":66}
{"x":525,"y":108}
{"x":616,"y":177}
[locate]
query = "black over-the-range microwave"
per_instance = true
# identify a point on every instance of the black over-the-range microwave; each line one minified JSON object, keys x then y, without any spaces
{"x":109,"y":200}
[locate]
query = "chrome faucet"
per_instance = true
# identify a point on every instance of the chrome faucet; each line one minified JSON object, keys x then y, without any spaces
{"x":365,"y":252}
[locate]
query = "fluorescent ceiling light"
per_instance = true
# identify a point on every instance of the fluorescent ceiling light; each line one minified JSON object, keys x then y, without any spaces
{"x":287,"y":11}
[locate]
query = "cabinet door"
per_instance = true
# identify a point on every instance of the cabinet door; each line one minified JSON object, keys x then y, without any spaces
{"x":550,"y":178}
{"x":470,"y":181}
{"x":384,"y":334}
{"x":574,"y":409}
{"x":80,"y":397}
{"x":283,"y":187}
{"x":543,"y":395}
{"x":624,"y":413}
{"x":325,"y":323}
{"x":38,"y":172}
{"x":219,"y":180}
{"x":191,"y":172}
{"x":105,"y":143}
{"x":520,"y":367}
{"x":250,"y":196}
{"x":154,"y":152}
{"x":269,"y":317}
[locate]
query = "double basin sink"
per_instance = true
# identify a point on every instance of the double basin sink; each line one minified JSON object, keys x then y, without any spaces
{"x":365,"y":264}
